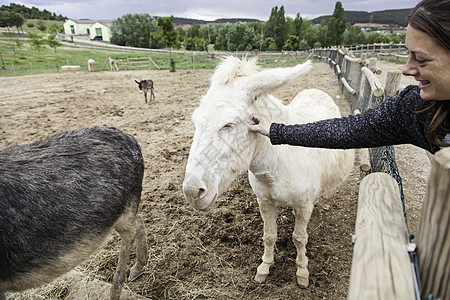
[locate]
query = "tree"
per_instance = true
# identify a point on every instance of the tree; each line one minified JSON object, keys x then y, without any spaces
{"x":36,"y":40}
{"x":276,"y":27}
{"x":54,"y":29}
{"x":4,"y":19}
{"x":168,"y":36}
{"x":10,"y":19}
{"x":297,"y":26}
{"x":303,"y":45}
{"x":292,"y":43}
{"x":195,"y":43}
{"x":193,"y":31}
{"x":309,"y":33}
{"x":321,"y":35}
{"x":208,"y":33}
{"x":135,"y":30}
{"x":53,"y":42}
{"x":336,"y":26}
{"x":31,"y":13}
{"x":181,"y":34}
{"x":236,"y":37}
{"x":222,"y":40}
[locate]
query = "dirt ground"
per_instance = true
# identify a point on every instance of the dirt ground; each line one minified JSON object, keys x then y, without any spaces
{"x":195,"y":255}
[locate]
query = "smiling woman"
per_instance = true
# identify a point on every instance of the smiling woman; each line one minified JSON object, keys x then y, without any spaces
{"x":419,"y":115}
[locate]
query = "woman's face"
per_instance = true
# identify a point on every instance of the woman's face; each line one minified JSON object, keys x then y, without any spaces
{"x":429,"y":64}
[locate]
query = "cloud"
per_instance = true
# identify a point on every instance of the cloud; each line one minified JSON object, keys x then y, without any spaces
{"x":206,"y":10}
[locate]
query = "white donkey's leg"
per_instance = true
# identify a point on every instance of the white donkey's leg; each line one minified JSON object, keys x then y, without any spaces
{"x":300,"y":238}
{"x":269,"y":215}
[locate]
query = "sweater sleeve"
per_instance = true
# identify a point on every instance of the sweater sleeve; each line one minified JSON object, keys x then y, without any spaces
{"x":392,"y":122}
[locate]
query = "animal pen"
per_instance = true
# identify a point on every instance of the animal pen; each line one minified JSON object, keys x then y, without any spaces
{"x":386,"y":263}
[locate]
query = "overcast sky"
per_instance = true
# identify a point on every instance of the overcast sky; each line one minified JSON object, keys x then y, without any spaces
{"x":205,"y":9}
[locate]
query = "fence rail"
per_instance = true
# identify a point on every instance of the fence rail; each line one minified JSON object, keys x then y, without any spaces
{"x":380,"y":237}
{"x":390,"y":52}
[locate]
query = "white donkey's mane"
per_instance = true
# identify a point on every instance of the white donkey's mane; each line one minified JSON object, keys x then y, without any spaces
{"x":232,"y":67}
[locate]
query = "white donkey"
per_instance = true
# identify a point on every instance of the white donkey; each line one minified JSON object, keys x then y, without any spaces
{"x":91,"y":64}
{"x":223,"y":148}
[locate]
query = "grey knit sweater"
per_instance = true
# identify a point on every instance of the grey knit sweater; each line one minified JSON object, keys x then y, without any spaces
{"x":393,"y":122}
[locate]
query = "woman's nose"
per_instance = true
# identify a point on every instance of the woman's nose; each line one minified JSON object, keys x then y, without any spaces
{"x":410,"y":68}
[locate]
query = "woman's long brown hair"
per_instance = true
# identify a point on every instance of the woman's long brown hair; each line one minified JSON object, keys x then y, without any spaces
{"x":431,"y":17}
{"x":439,"y":123}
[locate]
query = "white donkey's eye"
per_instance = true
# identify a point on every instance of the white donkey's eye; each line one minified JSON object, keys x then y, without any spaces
{"x":227,"y":126}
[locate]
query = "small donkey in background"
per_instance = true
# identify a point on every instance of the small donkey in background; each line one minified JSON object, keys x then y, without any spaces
{"x":145,"y":86}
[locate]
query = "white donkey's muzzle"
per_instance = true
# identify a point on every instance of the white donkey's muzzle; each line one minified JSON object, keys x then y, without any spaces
{"x":199,"y":193}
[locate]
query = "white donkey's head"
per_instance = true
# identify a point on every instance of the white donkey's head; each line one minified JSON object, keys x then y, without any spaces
{"x":223,"y":147}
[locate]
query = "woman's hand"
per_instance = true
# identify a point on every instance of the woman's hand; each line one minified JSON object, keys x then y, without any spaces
{"x":260,"y":125}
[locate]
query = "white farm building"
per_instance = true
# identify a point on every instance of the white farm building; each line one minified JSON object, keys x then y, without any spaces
{"x":88,"y":27}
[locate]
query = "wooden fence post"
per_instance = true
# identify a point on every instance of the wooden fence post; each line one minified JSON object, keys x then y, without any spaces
{"x":3,"y":63}
{"x":381,"y":267}
{"x":433,"y":239}
{"x":398,"y":53}
{"x":391,"y":86}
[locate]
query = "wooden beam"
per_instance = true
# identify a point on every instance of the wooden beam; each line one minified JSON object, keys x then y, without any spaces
{"x":348,"y":87}
{"x":374,"y":82}
{"x":381,"y":267}
{"x":433,"y":239}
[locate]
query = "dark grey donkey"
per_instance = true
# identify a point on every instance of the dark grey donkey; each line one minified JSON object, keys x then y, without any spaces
{"x":59,"y":200}
{"x":145,"y":86}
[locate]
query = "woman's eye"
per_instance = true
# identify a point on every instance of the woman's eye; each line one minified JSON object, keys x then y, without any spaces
{"x":421,"y":61}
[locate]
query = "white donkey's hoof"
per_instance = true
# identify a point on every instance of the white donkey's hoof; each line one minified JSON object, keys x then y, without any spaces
{"x":262,"y":272}
{"x":303,"y":277}
{"x":260,"y":278}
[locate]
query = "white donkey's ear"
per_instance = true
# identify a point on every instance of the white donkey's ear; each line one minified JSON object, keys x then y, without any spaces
{"x":267,"y":80}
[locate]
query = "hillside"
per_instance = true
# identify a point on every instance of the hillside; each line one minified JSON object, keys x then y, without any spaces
{"x":390,"y":16}
{"x":186,"y":21}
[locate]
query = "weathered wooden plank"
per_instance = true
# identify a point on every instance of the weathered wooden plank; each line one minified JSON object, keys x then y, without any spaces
{"x":433,"y":238}
{"x":348,"y":87}
{"x":374,"y":82}
{"x":381,"y":267}
{"x":363,"y":154}
{"x":392,"y":83}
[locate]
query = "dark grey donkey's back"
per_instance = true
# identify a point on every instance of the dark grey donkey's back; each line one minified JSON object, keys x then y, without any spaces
{"x":60,"y":198}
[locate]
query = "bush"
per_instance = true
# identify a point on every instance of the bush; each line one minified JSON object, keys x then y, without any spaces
{"x":30,"y":25}
{"x":41,"y":26}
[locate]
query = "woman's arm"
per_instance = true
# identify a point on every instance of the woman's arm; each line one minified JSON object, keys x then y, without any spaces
{"x":392,"y":122}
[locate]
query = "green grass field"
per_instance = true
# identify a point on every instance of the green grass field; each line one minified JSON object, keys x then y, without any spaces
{"x":19,"y":58}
